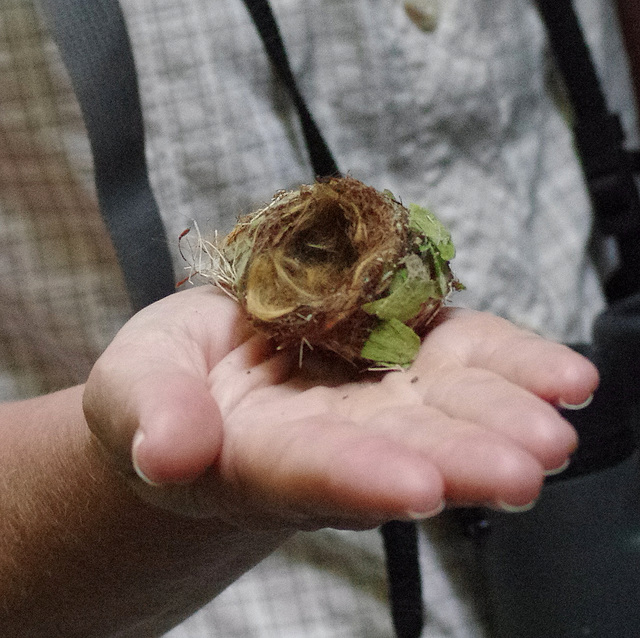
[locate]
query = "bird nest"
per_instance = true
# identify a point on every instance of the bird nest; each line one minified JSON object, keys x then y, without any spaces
{"x":336,"y":265}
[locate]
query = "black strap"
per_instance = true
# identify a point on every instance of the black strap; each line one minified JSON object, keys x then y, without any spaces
{"x":94,"y":45}
{"x":321,"y":158}
{"x":599,"y":137}
{"x":400,"y":539}
{"x":403,"y":568}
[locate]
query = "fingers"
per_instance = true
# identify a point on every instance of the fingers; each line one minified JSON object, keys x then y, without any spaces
{"x":489,"y":400}
{"x":483,"y":369}
{"x":475,"y":404}
{"x":368,"y":449}
{"x":477,"y":466}
{"x":472,"y":395}
{"x":325,"y":470}
{"x":550,"y":370}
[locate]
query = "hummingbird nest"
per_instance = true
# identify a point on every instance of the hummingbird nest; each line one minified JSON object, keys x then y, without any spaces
{"x":336,"y":265}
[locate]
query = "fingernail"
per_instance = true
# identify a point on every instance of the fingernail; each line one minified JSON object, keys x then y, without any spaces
{"x":138,"y":438}
{"x":576,"y":406}
{"x":514,"y":509}
{"x":419,"y":516}
{"x":558,"y":470}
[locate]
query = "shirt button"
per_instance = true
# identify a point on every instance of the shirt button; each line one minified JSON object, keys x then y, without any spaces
{"x":423,"y":13}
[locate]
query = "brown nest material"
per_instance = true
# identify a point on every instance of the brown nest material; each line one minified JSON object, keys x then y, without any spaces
{"x":337,"y":265}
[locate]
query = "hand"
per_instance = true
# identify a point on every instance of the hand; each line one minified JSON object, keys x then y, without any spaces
{"x":222,"y":426}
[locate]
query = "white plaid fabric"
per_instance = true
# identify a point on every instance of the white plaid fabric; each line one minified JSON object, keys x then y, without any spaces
{"x":455,"y":115}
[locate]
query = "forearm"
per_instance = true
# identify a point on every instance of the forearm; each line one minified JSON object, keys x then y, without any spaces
{"x":80,"y":555}
{"x":629,"y":14}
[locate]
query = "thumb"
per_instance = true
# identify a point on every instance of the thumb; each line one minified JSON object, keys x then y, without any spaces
{"x":166,"y":425}
{"x":180,"y":431}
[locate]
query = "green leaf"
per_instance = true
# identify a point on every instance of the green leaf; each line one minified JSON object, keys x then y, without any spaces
{"x":391,"y":342}
{"x":405,"y":300}
{"x":425,"y":223}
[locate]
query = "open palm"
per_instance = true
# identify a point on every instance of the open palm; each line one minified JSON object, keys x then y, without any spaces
{"x":225,"y":426}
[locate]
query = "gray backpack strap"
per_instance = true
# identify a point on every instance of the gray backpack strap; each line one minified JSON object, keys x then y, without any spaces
{"x":94,"y":45}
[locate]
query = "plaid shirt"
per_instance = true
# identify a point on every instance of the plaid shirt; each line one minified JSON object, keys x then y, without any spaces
{"x":444,"y":102}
